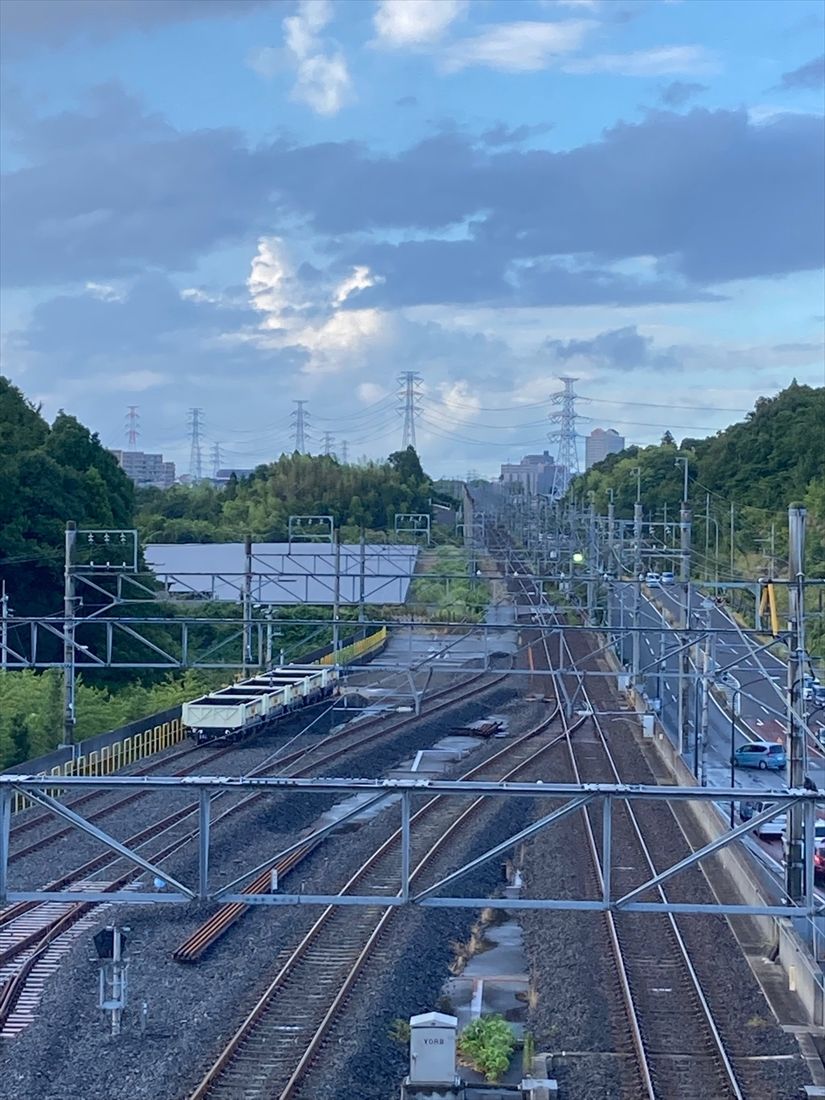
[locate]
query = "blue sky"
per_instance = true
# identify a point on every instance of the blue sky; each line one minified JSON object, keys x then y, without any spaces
{"x":233,"y":204}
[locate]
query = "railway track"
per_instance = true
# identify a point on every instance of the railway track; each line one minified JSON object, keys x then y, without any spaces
{"x":679,"y":1048}
{"x":22,"y":951}
{"x":276,"y":1046}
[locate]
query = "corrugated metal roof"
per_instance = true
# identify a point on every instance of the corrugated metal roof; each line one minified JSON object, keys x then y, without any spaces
{"x":284,"y":573}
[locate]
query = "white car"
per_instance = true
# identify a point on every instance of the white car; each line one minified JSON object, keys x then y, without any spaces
{"x":653,"y":580}
{"x":668,"y":577}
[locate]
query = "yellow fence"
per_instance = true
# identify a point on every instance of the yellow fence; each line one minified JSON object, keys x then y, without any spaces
{"x":150,"y":741}
{"x":115,"y":756}
{"x":356,"y":649}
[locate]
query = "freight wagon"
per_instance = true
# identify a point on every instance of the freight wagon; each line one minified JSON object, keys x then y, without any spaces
{"x":246,"y":707}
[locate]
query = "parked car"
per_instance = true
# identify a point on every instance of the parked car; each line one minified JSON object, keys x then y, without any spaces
{"x":668,"y":577}
{"x":653,"y":580}
{"x":818,"y":697}
{"x":760,"y":754}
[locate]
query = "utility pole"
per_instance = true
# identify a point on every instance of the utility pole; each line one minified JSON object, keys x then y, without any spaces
{"x":4,"y":637}
{"x":707,"y":537}
{"x":195,"y":454}
{"x":247,"y":606}
{"x":69,"y":715}
{"x":611,"y":529}
{"x":591,"y":557}
{"x":409,"y":398}
{"x":798,"y":859}
{"x":637,"y":584}
{"x":731,"y":540}
{"x":300,"y":419}
{"x":708,"y":665}
{"x":684,"y":623}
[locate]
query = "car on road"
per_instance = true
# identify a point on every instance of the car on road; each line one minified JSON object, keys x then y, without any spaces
{"x":653,"y":580}
{"x":810,"y":684}
{"x":668,"y":577}
{"x":760,"y":754}
{"x":818,"y":697}
{"x":768,"y":830}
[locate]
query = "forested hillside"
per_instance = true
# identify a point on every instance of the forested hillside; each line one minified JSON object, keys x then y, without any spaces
{"x":748,"y":474}
{"x":356,"y":496}
{"x":50,"y":475}
{"x":59,"y":472}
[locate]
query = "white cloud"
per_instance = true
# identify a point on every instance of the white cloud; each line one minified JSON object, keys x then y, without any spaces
{"x":322,"y":79}
{"x":518,"y":47}
{"x":663,"y":61}
{"x":401,"y":23}
{"x":360,"y":279}
{"x":310,"y":317}
{"x":371,"y":392}
{"x":105,"y":292}
{"x":461,"y":402}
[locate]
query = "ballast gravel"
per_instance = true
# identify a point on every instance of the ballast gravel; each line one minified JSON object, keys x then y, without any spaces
{"x":68,"y":1053}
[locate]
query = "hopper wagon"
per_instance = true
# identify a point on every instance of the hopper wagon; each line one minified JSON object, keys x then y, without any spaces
{"x":248,"y":706}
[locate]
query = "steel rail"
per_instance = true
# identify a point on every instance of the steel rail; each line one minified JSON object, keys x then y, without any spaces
{"x":721,"y":1052}
{"x":208,"y":934}
{"x":211,"y":1080}
{"x":14,"y":986}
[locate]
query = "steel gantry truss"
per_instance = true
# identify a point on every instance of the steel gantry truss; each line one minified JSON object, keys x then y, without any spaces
{"x":569,"y":799}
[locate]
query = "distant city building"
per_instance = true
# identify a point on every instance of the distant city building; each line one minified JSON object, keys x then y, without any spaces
{"x":600,"y":443}
{"x":145,"y":469}
{"x":537,"y":473}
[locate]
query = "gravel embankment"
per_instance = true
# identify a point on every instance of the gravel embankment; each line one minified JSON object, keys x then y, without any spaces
{"x":67,"y":1053}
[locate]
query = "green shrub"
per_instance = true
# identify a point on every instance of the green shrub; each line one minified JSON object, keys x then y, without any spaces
{"x":486,"y":1045}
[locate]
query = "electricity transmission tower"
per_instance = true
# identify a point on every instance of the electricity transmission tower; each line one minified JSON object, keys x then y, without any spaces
{"x":132,"y":429}
{"x":409,"y":399}
{"x":195,"y":453}
{"x":300,"y":421}
{"x":329,"y":443}
{"x":567,"y":460}
{"x":344,"y":452}
{"x":216,"y":459}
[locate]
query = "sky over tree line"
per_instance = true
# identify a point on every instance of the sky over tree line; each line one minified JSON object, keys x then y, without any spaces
{"x":234,"y":204}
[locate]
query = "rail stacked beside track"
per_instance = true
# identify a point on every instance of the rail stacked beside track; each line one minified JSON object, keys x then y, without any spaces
{"x":278,"y":1043}
{"x":27,"y":941}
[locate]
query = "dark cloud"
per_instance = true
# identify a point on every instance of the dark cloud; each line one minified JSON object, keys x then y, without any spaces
{"x":436,"y":271}
{"x":55,"y":22}
{"x":710,"y":195}
{"x":502,"y":134}
{"x":678,"y":92}
{"x":810,"y":75}
{"x":623,"y":349}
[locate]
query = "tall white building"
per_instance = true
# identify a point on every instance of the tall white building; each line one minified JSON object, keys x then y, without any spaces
{"x":146,"y":469}
{"x":600,"y":443}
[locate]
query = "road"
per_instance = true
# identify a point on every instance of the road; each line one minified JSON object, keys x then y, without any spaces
{"x":760,"y":678}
